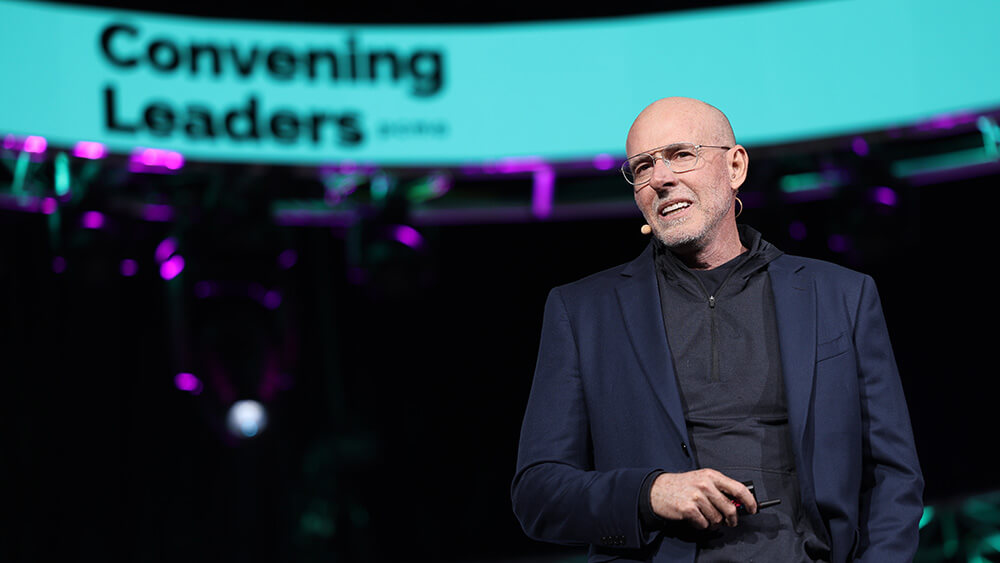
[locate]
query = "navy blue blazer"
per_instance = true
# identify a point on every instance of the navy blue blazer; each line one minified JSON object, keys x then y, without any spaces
{"x":604,"y":412}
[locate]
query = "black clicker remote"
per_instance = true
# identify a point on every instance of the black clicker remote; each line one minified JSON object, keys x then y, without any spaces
{"x":740,"y":509}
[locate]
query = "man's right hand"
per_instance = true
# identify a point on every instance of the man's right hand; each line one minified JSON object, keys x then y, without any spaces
{"x":699,"y":497}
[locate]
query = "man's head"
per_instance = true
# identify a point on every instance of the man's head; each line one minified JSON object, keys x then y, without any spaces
{"x":691,"y":211}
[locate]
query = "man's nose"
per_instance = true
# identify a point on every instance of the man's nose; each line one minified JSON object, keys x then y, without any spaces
{"x":663,"y":175}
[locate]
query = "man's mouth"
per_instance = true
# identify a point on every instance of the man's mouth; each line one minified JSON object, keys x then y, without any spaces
{"x":667,"y":209}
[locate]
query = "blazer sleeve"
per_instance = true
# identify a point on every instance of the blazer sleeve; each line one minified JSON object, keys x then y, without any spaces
{"x":557,"y":494}
{"x":891,"y":502}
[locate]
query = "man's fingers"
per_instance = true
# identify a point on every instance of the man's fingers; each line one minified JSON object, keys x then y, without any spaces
{"x":739,"y":492}
{"x":724,"y":505}
{"x":700,"y":513}
{"x":700,"y":498}
{"x":695,"y":517}
{"x":710,"y":508}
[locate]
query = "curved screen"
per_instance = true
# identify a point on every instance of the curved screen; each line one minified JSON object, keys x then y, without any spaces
{"x":447,"y":95}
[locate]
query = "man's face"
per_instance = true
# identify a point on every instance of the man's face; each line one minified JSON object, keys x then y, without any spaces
{"x":688,"y":209}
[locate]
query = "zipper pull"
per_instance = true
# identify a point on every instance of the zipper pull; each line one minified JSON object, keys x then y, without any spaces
{"x":711,"y":301}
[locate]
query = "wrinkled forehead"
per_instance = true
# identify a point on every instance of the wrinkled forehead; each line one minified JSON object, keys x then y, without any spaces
{"x":652,"y":134}
{"x":658,"y":127}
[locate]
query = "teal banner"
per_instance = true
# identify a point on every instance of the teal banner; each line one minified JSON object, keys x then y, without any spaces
{"x":420,"y":95}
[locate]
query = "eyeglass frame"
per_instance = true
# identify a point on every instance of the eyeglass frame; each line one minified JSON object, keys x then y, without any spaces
{"x":652,"y":153}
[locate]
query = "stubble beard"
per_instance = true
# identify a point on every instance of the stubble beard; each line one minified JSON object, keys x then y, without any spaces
{"x":675,"y":237}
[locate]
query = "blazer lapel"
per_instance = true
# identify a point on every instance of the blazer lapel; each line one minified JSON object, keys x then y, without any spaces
{"x":639,"y":299}
{"x":795,"y":309}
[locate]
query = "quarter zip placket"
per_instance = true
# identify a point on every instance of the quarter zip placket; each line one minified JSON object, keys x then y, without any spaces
{"x":714,"y":374}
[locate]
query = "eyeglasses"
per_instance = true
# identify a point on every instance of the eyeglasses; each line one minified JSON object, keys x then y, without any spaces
{"x":679,"y":157}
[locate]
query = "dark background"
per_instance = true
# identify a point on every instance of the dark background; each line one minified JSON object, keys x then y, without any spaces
{"x":394,"y":403}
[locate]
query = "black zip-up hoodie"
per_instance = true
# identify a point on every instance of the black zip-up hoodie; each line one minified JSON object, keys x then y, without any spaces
{"x":723,"y":338}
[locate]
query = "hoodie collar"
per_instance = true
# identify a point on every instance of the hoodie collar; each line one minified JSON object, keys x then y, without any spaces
{"x":759,"y":253}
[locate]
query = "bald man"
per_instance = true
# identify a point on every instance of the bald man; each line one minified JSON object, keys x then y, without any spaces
{"x":667,"y":387}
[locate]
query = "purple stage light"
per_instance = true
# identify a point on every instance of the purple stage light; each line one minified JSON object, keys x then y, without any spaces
{"x":49,"y":205}
{"x":272,"y":299}
{"x":129,"y":267}
{"x":157,"y":212}
{"x":89,"y":150}
{"x":837,"y":243}
{"x":884,"y":195}
{"x":408,"y":236}
{"x":173,"y":160}
{"x":92,"y":220}
{"x":172,"y":267}
{"x":543,"y":192}
{"x":860,"y":146}
{"x":797,"y":230}
{"x":9,"y":141}
{"x":604,"y":162}
{"x":349,"y":167}
{"x":149,"y":157}
{"x":514,"y":165}
{"x":188,"y":382}
{"x":58,"y":264}
{"x":288,"y":258}
{"x":155,"y":160}
{"x":165,"y":249}
{"x":947,"y":121}
{"x":440,"y":184}
{"x":35,"y":144}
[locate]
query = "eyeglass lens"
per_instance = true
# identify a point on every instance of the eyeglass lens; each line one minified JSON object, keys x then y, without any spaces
{"x":680,"y":158}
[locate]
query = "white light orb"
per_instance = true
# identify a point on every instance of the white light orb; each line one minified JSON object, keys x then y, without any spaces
{"x":246,"y":418}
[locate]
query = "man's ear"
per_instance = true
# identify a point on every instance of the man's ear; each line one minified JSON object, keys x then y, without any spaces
{"x":738,"y":163}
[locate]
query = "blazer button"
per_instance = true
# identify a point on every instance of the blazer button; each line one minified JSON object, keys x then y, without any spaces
{"x":685,"y":448}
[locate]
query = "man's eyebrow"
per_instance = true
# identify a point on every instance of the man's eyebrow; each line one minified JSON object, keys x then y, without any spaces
{"x":658,"y":149}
